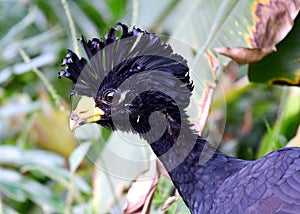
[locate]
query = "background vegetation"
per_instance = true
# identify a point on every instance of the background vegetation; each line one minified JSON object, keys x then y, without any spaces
{"x":42,"y":168}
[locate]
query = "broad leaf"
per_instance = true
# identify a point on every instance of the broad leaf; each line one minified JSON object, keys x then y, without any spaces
{"x":282,"y":66}
{"x":272,"y":21}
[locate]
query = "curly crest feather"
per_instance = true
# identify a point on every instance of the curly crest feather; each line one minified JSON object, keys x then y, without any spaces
{"x":119,"y":57}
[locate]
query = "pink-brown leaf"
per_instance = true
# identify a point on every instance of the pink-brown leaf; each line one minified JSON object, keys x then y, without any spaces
{"x":245,"y":55}
{"x":141,"y":191}
{"x":273,"y":21}
{"x":170,"y":201}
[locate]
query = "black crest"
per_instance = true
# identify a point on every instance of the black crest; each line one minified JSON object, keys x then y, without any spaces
{"x":120,"y":54}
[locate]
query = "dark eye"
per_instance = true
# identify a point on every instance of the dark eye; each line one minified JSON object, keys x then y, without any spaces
{"x":109,"y":96}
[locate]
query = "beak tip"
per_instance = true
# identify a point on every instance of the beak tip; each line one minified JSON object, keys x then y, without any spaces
{"x":76,"y":123}
{"x":72,"y":125}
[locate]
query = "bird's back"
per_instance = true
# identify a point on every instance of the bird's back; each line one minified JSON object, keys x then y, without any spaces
{"x":268,"y":185}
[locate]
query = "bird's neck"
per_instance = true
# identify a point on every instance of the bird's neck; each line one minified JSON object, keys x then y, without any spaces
{"x":196,"y":168}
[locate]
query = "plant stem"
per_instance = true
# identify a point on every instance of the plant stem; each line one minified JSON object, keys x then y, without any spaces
{"x":45,"y":81}
{"x":70,"y":195}
{"x":135,"y":12}
{"x":71,"y":25}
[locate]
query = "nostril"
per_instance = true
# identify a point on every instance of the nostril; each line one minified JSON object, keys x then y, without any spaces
{"x":74,"y":116}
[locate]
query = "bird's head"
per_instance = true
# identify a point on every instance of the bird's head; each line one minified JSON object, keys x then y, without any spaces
{"x":129,"y":76}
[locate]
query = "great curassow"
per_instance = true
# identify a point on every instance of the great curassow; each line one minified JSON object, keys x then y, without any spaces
{"x":134,"y":82}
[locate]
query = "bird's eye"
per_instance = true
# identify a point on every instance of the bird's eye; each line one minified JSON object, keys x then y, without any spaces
{"x":109,"y":96}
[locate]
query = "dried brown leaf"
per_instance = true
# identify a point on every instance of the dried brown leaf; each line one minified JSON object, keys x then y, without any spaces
{"x":161,"y":169}
{"x":273,"y":21}
{"x":248,"y":122}
{"x":213,"y":62}
{"x":204,"y":107}
{"x":139,"y":197}
{"x":141,"y":191}
{"x":245,"y":55}
{"x":170,"y":201}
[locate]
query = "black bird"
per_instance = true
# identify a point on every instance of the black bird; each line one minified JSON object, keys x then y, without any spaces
{"x":134,"y":82}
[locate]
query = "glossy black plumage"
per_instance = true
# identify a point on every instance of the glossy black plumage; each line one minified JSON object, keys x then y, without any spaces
{"x":222,"y":184}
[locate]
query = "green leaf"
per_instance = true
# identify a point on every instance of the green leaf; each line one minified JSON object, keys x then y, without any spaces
{"x":270,"y":142}
{"x":286,"y":125}
{"x":9,"y":210}
{"x":117,"y":8}
{"x":78,"y":155}
{"x":291,"y":114}
{"x":14,"y":156}
{"x":42,"y":196}
{"x":46,"y":163}
{"x":19,"y":188}
{"x":86,"y":208}
{"x":58,"y":174}
{"x":282,"y":66}
{"x":10,"y":185}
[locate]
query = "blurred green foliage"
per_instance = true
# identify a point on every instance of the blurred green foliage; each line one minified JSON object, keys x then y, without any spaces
{"x":40,"y":169}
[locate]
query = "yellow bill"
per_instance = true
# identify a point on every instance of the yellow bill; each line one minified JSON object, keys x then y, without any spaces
{"x":85,"y":112}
